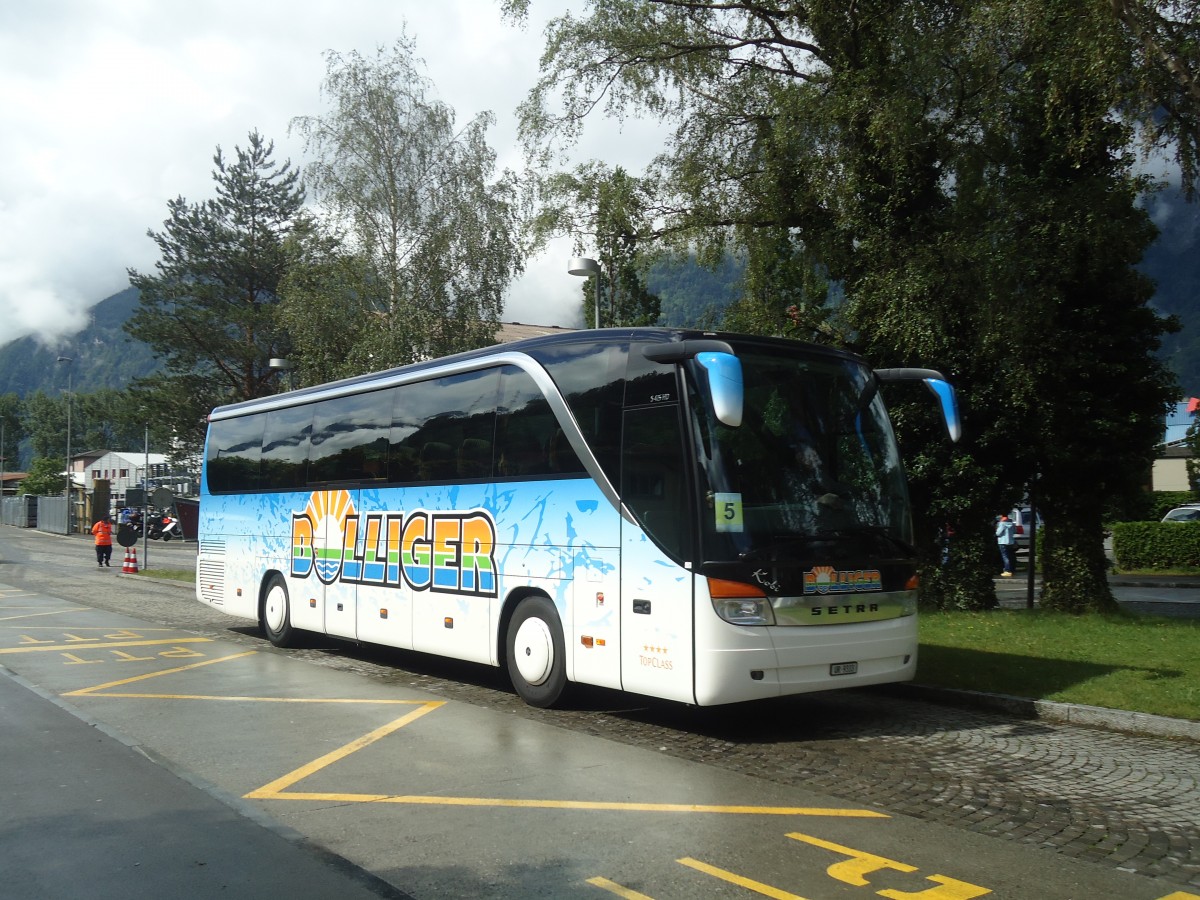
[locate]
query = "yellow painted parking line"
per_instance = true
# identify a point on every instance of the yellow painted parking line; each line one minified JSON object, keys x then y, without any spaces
{"x":585,"y":805}
{"x":101,"y":645}
{"x":278,"y":789}
{"x":620,"y":890}
{"x":279,"y":784}
{"x":1181,"y":895}
{"x":95,"y":689}
{"x":115,"y":633}
{"x":757,"y":886}
{"x":51,"y":612}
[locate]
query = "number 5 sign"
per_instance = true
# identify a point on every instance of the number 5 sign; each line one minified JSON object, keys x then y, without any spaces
{"x":729,"y":511}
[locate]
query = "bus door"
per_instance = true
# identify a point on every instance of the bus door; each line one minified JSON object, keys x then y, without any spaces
{"x":656,"y":590}
{"x":339,"y":533}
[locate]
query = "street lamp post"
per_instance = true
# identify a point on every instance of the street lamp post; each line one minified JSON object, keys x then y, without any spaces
{"x":277,"y":364}
{"x":584,"y":267}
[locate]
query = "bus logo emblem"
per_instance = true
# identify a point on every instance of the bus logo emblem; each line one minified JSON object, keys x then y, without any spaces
{"x":828,"y":580}
{"x":446,"y":552}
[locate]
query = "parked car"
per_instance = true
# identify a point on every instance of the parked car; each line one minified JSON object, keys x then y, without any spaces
{"x":1189,"y":513}
{"x":1022,"y":519}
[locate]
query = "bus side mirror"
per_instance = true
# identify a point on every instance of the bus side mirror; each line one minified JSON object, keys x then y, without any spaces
{"x":725,"y":390}
{"x":942,"y":389}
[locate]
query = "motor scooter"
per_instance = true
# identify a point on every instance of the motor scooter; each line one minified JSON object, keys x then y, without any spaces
{"x":164,"y":529}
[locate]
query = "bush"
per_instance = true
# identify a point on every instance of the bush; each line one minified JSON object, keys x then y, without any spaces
{"x":1162,"y":502}
{"x":1157,"y":545}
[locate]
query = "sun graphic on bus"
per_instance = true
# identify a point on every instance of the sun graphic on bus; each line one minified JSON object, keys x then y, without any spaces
{"x":328,"y":510}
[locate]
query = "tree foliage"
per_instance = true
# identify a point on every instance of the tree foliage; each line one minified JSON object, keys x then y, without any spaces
{"x":46,"y":477}
{"x":429,"y":241}
{"x":612,"y":211}
{"x":209,"y":310}
{"x":963,"y":172}
{"x":13,"y":426}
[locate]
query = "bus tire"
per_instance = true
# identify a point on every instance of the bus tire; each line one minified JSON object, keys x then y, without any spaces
{"x":276,"y":614}
{"x":536,"y":652}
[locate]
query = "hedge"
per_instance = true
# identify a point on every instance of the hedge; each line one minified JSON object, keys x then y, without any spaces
{"x":1156,"y":545}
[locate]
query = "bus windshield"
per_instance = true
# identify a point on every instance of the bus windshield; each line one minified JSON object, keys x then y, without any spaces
{"x":814,"y":462}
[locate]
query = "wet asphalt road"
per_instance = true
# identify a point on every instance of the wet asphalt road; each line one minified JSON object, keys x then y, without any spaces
{"x":1126,"y":802}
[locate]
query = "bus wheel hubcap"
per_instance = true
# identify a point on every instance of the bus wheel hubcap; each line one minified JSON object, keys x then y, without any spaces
{"x":274,"y":610}
{"x":534,"y":651}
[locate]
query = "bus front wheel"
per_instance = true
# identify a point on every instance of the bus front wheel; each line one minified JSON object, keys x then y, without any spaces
{"x":276,"y":617}
{"x":536,"y":652}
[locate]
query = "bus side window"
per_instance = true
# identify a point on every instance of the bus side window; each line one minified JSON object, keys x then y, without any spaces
{"x":349,"y":439}
{"x":591,"y":378}
{"x":529,"y":441}
{"x":285,"y":448}
{"x":235,"y":454}
{"x":445,"y":427}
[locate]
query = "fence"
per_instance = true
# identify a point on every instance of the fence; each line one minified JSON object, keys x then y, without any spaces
{"x":19,"y":511}
{"x":52,"y":515}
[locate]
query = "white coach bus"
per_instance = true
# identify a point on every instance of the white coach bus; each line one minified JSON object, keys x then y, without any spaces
{"x":702,"y":517}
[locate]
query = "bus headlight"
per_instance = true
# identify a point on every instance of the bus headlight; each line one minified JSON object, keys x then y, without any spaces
{"x":739,"y":603}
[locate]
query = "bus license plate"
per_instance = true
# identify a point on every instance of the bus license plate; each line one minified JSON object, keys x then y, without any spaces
{"x":850,"y":668}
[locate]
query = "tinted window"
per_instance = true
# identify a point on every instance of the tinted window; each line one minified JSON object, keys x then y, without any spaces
{"x":443,"y":430}
{"x":592,"y":379}
{"x":350,"y":438}
{"x":649,"y":382}
{"x":653,"y":486}
{"x":529,"y":441}
{"x":234,"y":453}
{"x":285,"y":448}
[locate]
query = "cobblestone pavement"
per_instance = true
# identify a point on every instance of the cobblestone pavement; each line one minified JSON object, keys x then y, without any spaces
{"x":1132,"y":803}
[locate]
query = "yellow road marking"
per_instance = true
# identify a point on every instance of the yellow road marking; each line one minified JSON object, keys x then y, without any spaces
{"x":852,"y":870}
{"x":951,"y":889}
{"x":860,"y":863}
{"x":757,"y":886}
{"x":333,"y":756}
{"x":112,"y":684}
{"x":589,"y":805}
{"x":52,"y":612}
{"x":277,"y":789}
{"x":102,"y":645}
{"x":248,"y":699}
{"x":613,"y":888}
{"x":117,"y":633}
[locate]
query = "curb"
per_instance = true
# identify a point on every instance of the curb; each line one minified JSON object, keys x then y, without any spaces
{"x":1118,"y":720}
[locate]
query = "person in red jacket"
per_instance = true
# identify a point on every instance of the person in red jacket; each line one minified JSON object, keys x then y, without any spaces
{"x":103,"y":531}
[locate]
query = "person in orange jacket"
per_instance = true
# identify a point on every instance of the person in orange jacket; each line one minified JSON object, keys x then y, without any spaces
{"x":103,"y":531}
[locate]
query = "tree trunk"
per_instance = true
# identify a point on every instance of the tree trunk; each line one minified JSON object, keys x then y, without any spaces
{"x":1074,"y":568}
{"x":961,"y":578}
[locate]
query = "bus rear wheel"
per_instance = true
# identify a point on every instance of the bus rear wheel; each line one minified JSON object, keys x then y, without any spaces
{"x":276,"y":615}
{"x":536,"y":652}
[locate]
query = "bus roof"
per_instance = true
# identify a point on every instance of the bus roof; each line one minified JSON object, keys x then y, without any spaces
{"x":597,"y":336}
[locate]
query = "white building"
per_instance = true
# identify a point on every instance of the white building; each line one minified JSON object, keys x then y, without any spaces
{"x":124,"y":469}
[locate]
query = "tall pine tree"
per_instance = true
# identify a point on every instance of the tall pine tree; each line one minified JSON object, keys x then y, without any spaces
{"x":209,"y":309}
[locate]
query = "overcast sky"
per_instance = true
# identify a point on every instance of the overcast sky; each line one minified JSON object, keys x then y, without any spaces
{"x":109,"y":109}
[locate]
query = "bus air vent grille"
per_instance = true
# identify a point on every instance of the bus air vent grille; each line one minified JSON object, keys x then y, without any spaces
{"x":212,"y":581}
{"x":213,"y":548}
